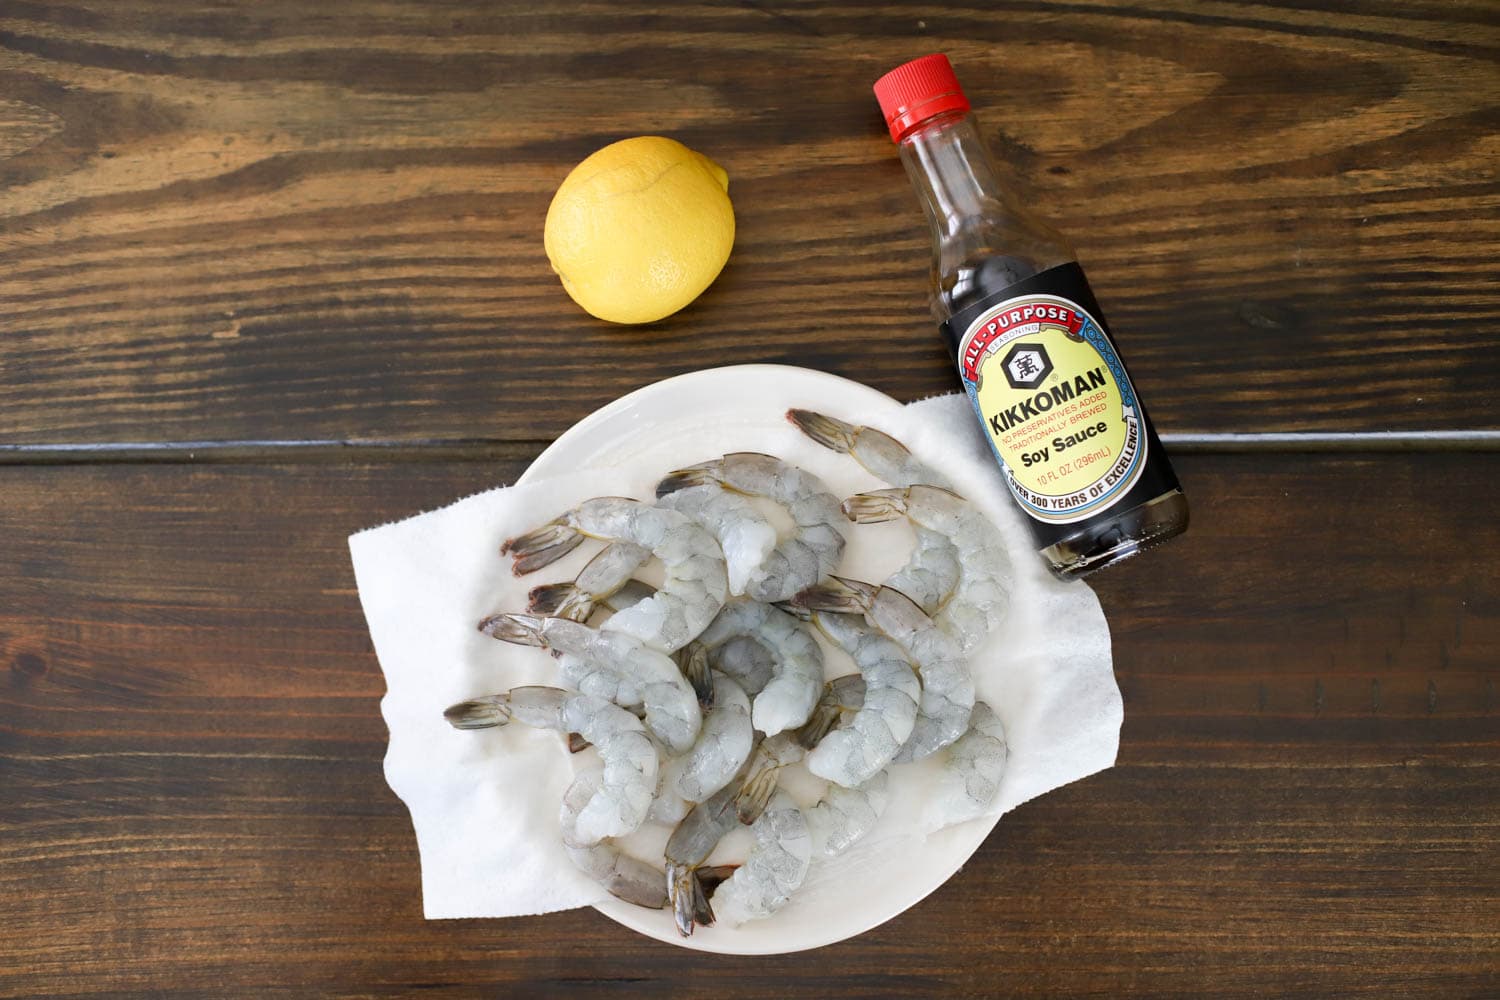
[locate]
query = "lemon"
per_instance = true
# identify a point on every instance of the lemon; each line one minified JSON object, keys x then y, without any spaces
{"x":640,"y":228}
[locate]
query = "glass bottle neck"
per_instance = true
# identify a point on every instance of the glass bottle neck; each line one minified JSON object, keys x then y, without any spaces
{"x":984,"y":239}
{"x":952,"y":173}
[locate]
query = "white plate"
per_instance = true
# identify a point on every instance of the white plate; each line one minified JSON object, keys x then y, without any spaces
{"x":703,"y":414}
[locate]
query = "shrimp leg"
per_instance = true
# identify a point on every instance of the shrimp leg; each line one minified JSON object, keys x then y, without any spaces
{"x":618,"y":806}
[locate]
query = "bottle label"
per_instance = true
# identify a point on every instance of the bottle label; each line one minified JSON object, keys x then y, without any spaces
{"x":1054,"y":399}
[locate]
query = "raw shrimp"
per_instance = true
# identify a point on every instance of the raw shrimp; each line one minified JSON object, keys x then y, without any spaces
{"x":788,"y":698}
{"x":694,"y":587}
{"x":971,"y":774}
{"x":721,"y":750}
{"x":613,"y":666}
{"x":932,"y":570}
{"x":745,"y":535}
{"x":886,"y":458}
{"x":859,"y":751}
{"x":811,"y":552}
{"x":688,"y":847}
{"x":983,"y":588}
{"x":774,"y":869}
{"x":626,"y":877}
{"x":618,"y":806}
{"x":841,"y":696}
{"x":947,"y":688}
{"x":600,"y":577}
{"x":844,"y":815}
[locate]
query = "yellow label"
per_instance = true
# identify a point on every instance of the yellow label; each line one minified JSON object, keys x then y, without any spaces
{"x":1056,"y":404}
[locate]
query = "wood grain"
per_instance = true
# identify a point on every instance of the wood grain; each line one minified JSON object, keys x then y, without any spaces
{"x":264,"y":221}
{"x":1305,"y":806}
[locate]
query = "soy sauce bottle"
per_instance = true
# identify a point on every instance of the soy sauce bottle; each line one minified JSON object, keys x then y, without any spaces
{"x":1032,"y":347}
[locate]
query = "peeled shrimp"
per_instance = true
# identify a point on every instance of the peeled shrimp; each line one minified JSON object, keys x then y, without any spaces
{"x":614,"y":666}
{"x":694,"y":587}
{"x":983,"y":588}
{"x":811,"y":552}
{"x":774,"y":869}
{"x":717,"y":756}
{"x":745,"y":535}
{"x":860,"y":750}
{"x":618,"y":805}
{"x":797,"y":676}
{"x":932,"y":571}
{"x":600,"y":577}
{"x":625,"y":877}
{"x":844,"y":815}
{"x":971,"y":774}
{"x":947,"y":687}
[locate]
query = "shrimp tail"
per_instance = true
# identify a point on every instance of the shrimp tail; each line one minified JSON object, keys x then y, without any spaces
{"x":479,"y":713}
{"x":703,"y":911}
{"x":682,"y":479}
{"x":753,"y":796}
{"x":523,"y":630}
{"x":795,"y":610}
{"x":824,"y":717}
{"x":692,"y":659}
{"x":541,"y":547}
{"x":876,"y":506}
{"x":705,"y":882}
{"x":829,"y":432}
{"x":837,"y":594}
{"x":690,"y":906}
{"x":710,"y":877}
{"x":560,"y":600}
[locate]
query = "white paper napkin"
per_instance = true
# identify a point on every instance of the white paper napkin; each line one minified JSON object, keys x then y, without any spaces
{"x":484,"y":804}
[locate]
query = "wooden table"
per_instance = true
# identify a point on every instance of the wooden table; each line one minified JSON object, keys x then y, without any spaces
{"x":272,"y":272}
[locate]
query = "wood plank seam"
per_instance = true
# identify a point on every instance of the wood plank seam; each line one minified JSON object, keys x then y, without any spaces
{"x":490,"y":449}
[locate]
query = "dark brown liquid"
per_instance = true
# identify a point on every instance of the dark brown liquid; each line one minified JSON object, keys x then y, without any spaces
{"x":1153,"y":510}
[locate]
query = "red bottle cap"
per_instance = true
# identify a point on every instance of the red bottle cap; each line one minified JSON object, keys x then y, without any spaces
{"x":917,"y":91}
